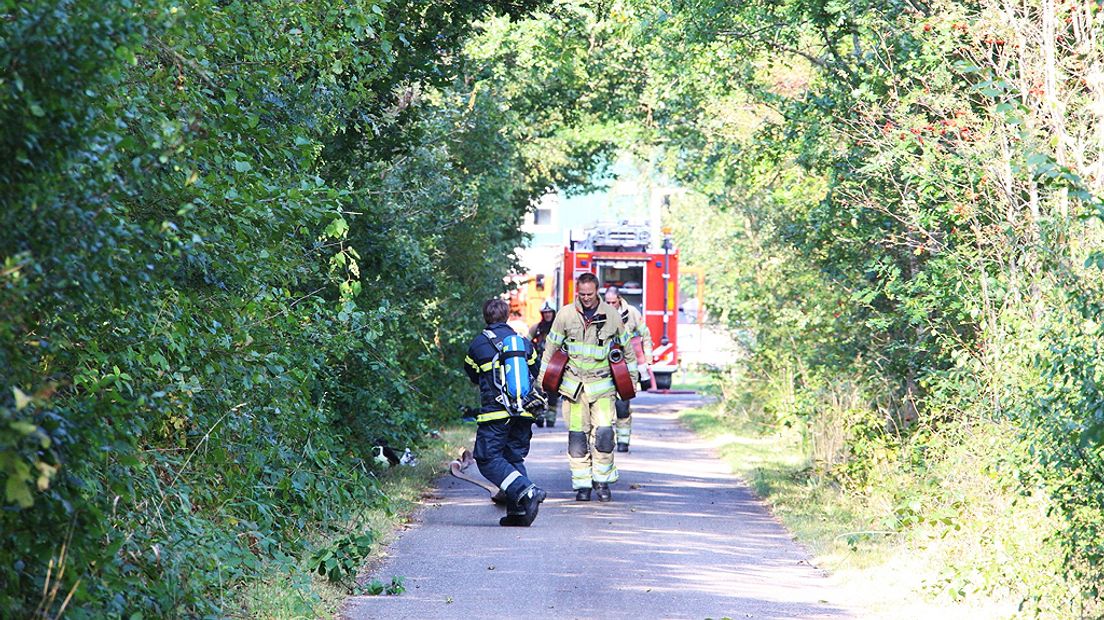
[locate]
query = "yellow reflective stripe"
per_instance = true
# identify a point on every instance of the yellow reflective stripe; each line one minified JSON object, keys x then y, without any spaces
{"x":598,"y":387}
{"x":492,"y":416}
{"x":575,"y":418}
{"x":532,"y":357}
{"x":588,"y":350}
{"x":580,"y":478}
{"x":625,"y":338}
{"x":569,"y":384}
{"x":585,"y":364}
{"x":605,"y":473}
{"x":632,"y":366}
{"x":601,"y":412}
{"x":556,"y":337}
{"x":624,"y":432}
{"x":499,"y":415}
{"x":479,"y":367}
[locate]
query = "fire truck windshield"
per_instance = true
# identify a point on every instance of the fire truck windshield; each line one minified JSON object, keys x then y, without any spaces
{"x":628,"y":276}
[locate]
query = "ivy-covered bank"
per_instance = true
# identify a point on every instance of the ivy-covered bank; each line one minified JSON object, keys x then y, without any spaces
{"x":240,"y":242}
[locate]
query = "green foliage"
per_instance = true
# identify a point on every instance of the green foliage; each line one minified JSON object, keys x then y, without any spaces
{"x":901,"y":190}
{"x":377,"y":587}
{"x":906,"y":204}
{"x":241,"y":242}
{"x":1068,"y":430}
{"x":340,"y":561}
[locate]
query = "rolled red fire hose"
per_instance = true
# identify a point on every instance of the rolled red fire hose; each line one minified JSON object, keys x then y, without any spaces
{"x":553,"y":375}
{"x":622,"y":380}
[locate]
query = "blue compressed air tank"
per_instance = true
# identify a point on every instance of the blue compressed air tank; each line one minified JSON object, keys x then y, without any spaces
{"x":517,"y":371}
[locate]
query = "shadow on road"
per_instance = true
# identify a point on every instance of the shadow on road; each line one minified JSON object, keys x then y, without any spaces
{"x":683,"y":538}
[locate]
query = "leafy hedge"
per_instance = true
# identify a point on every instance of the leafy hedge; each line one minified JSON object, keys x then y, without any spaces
{"x":239,"y":243}
{"x":912,"y":201}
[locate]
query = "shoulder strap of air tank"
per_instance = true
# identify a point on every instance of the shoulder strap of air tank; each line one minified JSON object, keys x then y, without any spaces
{"x":496,"y":342}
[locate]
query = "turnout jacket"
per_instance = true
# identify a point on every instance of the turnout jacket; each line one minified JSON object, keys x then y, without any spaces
{"x":478,"y":365}
{"x":588,"y":375}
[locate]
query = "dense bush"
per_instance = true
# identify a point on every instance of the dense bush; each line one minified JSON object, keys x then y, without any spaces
{"x":240,"y":242}
{"x":911,"y":195}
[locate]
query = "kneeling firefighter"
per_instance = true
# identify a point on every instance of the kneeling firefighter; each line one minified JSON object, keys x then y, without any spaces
{"x":538,"y":334}
{"x":641,"y":340}
{"x":503,"y":365}
{"x":591,"y":335}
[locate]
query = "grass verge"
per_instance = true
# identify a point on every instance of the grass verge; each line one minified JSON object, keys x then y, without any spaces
{"x":949,"y":538}
{"x":698,"y":379}
{"x":303,"y":593}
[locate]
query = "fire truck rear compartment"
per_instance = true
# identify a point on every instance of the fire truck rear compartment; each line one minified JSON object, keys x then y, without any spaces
{"x":627,"y":276}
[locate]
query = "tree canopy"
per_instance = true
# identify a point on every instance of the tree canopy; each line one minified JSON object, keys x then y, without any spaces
{"x":241,"y":242}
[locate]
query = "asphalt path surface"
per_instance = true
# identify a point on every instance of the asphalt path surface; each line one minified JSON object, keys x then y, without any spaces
{"x":682,"y":538}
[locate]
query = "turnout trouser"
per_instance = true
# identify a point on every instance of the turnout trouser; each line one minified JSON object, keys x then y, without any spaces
{"x":500,"y":450}
{"x":590,"y":442}
{"x":624,"y":421}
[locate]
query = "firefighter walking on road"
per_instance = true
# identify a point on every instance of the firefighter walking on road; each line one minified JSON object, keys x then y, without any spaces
{"x":538,"y":334}
{"x":503,"y":436}
{"x":586,"y":329}
{"x":636,"y":328}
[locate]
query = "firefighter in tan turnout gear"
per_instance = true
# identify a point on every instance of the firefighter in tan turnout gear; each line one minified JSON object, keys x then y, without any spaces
{"x":636,"y":328}
{"x":585,"y":330}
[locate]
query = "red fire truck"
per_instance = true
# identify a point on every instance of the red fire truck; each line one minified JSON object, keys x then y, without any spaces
{"x":622,"y":255}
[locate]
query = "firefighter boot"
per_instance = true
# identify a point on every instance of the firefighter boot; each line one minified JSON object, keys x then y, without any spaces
{"x":530,"y":502}
{"x":622,"y":447}
{"x":583,"y":495}
{"x":604,"y":494}
{"x":515,"y":514}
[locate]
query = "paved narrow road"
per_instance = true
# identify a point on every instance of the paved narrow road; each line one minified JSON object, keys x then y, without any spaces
{"x":682,"y":539}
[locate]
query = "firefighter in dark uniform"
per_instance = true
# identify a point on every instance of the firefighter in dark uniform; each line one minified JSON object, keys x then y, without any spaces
{"x":502,"y":438}
{"x":538,"y":334}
